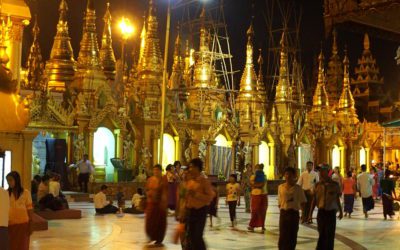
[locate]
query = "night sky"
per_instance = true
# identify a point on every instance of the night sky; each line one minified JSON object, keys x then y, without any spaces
{"x":238,"y":16}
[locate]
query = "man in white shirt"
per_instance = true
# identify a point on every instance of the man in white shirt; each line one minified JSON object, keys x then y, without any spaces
{"x":4,"y":210}
{"x":85,"y":169}
{"x":291,"y":199}
{"x":364,"y":186}
{"x":101,"y":204}
{"x":307,"y":182}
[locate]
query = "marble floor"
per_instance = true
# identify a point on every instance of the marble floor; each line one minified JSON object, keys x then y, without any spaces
{"x":112,"y":233}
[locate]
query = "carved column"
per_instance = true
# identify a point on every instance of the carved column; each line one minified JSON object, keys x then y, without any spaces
{"x":207,"y":163}
{"x":69,"y":147}
{"x":90,"y":149}
{"x":272,"y":161}
{"x":119,"y":144}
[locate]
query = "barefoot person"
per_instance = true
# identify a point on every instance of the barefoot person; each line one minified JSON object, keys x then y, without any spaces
{"x":327,"y":200}
{"x":5,"y":207}
{"x":20,"y":215}
{"x":388,"y":194}
{"x":349,"y":192}
{"x":85,"y":170}
{"x":156,"y":206}
{"x":101,"y":204}
{"x":259,"y":199}
{"x":364,"y":184}
{"x":291,"y":199}
{"x":198,"y":198}
{"x":232,"y":197}
{"x":307,"y":182}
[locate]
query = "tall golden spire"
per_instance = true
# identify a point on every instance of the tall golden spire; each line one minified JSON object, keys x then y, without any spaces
{"x":260,"y":78}
{"x":320,"y":98}
{"x":283,"y":83}
{"x":142,"y":42}
{"x":202,"y":70}
{"x":334,"y":72}
{"x":150,"y":60}
{"x":346,"y":100}
{"x":106,"y":52}
{"x":35,"y":63}
{"x":60,"y":68}
{"x":176,"y":79}
{"x":88,"y":57}
{"x":248,"y":82}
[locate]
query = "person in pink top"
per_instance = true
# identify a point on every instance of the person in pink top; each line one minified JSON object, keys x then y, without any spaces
{"x":349,"y":191}
{"x":375,"y":187}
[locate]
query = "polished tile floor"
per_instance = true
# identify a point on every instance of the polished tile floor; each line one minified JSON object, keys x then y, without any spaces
{"x":113,"y":233}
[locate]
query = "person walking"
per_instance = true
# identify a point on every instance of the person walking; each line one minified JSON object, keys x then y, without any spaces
{"x":259,"y":199}
{"x":349,"y":192}
{"x":4,"y":212}
{"x":156,"y":206}
{"x":232,"y":198}
{"x":327,"y":200}
{"x":85,"y":170}
{"x":198,"y":197}
{"x":291,"y":199}
{"x":365,"y":183}
{"x":388,"y":194}
{"x":246,"y":186}
{"x":20,"y":215}
{"x":307,"y":181}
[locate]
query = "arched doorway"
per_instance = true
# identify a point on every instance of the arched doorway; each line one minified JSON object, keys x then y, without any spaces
{"x":169,"y":150}
{"x":221,"y":157}
{"x":263,"y":156}
{"x":363,"y":156}
{"x":335,"y":156}
{"x":103,"y":151}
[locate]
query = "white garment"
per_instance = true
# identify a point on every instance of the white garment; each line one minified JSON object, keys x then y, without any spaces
{"x":54,"y":188}
{"x":364,"y":184}
{"x":4,"y":207}
{"x":136,"y":199}
{"x":85,"y":167}
{"x":290,"y":197}
{"x":308,"y":180}
{"x":100,"y":200}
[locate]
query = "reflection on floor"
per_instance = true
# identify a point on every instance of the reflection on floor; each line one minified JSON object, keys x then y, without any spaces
{"x":109,"y":232}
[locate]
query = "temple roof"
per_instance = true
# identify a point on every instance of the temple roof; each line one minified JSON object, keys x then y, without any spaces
{"x":320,"y":98}
{"x":249,"y":79}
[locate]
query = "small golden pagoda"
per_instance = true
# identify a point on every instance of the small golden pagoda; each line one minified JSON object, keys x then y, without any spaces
{"x":106,"y":52}
{"x":61,"y":66}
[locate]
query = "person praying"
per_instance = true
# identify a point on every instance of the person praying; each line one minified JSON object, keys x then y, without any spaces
{"x":101,"y":204}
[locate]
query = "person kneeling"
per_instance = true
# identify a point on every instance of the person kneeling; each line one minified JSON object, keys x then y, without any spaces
{"x":101,"y":204}
{"x":137,"y":203}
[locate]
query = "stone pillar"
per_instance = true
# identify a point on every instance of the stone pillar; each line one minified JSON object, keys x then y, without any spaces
{"x":26,"y":170}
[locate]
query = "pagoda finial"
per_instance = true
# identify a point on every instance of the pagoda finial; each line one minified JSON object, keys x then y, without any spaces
{"x":107,"y":53}
{"x":176,"y":79}
{"x":366,"y":42}
{"x":89,"y":49}
{"x":150,"y":59}
{"x":249,"y":78}
{"x":346,"y":100}
{"x":283,"y":82}
{"x":260,"y":62}
{"x":60,"y":68}
{"x":334,"y":43}
{"x":35,"y":63}
{"x":320,"y":98}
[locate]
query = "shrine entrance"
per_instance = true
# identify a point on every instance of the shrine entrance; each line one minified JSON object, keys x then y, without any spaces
{"x":336,"y":159}
{"x":263,"y":156}
{"x":103,"y":151}
{"x":221,"y":157}
{"x":169,"y":150}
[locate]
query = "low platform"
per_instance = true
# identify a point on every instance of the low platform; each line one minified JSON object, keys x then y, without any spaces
{"x":61,"y":214}
{"x":39,"y":223}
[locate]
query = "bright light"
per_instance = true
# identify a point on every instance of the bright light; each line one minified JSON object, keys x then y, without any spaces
{"x":7,"y":169}
{"x":221,"y":141}
{"x":263,"y":156}
{"x":126,"y":27}
{"x":168,"y":150}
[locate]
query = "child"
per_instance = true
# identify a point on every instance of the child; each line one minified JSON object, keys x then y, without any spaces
{"x":232,"y":197}
{"x":291,"y":199}
{"x":120,"y":198}
{"x":212,"y":211}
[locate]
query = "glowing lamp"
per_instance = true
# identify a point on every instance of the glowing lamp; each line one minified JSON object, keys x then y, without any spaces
{"x":126,"y":28}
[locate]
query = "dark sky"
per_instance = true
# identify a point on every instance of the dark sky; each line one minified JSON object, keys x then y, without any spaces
{"x":238,"y":15}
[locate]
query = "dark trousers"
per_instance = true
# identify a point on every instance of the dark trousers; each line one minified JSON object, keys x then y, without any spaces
{"x":109,"y":209}
{"x":288,"y":228}
{"x":326,"y":220}
{"x":232,"y":209}
{"x":196,"y":222}
{"x":5,"y":244}
{"x":83,"y":180}
{"x":306,"y":211}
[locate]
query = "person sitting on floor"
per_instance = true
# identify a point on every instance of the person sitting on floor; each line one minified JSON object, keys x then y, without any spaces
{"x":137,"y":203}
{"x":46,"y":199}
{"x":55,"y":190}
{"x":34,"y":187}
{"x":101,"y":204}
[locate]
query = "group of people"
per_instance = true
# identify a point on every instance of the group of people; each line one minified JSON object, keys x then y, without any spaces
{"x":46,"y":192}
